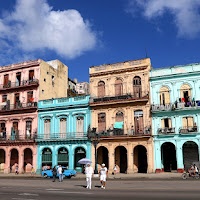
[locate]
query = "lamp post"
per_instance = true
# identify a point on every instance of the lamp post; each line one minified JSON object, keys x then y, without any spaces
{"x":94,"y":137}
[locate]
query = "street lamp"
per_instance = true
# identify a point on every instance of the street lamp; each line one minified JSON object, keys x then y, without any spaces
{"x":94,"y":137}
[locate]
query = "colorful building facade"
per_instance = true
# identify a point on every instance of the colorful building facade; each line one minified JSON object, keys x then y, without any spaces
{"x":175,"y":98}
{"x":120,"y":113}
{"x":62,"y":132}
{"x":22,"y":85}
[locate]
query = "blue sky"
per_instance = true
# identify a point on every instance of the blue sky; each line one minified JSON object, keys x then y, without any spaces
{"x":99,"y":32}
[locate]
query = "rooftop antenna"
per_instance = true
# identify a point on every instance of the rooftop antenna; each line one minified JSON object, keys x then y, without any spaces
{"x":146,"y":53}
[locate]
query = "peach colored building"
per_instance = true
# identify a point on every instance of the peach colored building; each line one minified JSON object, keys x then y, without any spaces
{"x":120,"y":113}
{"x":22,"y":85}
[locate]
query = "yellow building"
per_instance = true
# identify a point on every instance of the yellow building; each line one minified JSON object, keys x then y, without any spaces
{"x":120,"y":113}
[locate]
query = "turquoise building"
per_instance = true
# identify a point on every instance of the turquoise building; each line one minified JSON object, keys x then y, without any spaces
{"x":62,"y":132}
{"x":175,"y":99}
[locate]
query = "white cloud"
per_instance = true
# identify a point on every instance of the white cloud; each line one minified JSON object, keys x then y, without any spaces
{"x":186,"y":13}
{"x":34,"y":25}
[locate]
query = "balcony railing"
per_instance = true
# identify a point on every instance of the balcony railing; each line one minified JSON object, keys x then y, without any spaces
{"x":122,"y":132}
{"x":19,"y":84}
{"x":17,"y":106}
{"x":16,"y":136}
{"x":186,"y":130}
{"x":162,"y":107}
{"x":62,"y":136}
{"x":166,"y":131}
{"x":122,"y":97}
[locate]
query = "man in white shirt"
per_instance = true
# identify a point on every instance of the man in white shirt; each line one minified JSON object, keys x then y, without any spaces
{"x":60,"y":173}
{"x":89,"y":174}
{"x":103,"y":173}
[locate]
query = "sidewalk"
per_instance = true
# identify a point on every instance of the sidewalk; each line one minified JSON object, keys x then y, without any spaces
{"x":117,"y":176}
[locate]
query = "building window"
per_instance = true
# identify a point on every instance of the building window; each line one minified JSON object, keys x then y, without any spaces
{"x":118,"y":87}
{"x":18,"y":79}
{"x":42,"y":91}
{"x":30,"y":97}
{"x":4,"y":98}
{"x":166,"y":123}
{"x":3,"y":130}
{"x":63,"y":125}
{"x":44,"y":79}
{"x":80,"y":125}
{"x":101,"y":89}
{"x":138,"y":121}
{"x":52,"y":77}
{"x":137,"y":87}
{"x":31,"y":75}
{"x":164,"y":96}
{"x":6,"y":81}
{"x":47,"y":127}
{"x":188,"y":122}
{"x":185,"y":94}
{"x":101,"y":122}
{"x":28,"y":129}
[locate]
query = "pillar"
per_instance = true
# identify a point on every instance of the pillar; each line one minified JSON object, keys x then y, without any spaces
{"x":157,"y":155}
{"x":21,"y":161}
{"x":7,"y":161}
{"x":129,"y":159}
{"x":71,"y":158}
{"x":111,"y":158}
{"x":54,"y":157}
{"x":179,"y":158}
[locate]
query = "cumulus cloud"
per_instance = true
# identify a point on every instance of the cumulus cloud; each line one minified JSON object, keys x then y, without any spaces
{"x":34,"y":25}
{"x":186,"y":13}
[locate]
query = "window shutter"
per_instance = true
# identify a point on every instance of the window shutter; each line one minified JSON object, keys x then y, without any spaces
{"x":80,"y":125}
{"x":162,"y":123}
{"x":190,"y":122}
{"x":184,"y":122}
{"x":170,"y":123}
{"x":167,"y":98}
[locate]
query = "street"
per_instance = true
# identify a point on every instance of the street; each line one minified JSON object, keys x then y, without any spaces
{"x":41,"y":189}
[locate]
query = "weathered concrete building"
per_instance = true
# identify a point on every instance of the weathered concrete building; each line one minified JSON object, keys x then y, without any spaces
{"x":120,"y":113}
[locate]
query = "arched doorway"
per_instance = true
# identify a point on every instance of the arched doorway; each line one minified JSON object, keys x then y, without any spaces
{"x":2,"y":160}
{"x":190,"y":154}
{"x":168,"y":156}
{"x":14,"y":159}
{"x":28,"y":160}
{"x":79,"y":154}
{"x":140,"y":159}
{"x":63,"y":157}
{"x":102,"y":156}
{"x":47,"y":157}
{"x":121,"y":158}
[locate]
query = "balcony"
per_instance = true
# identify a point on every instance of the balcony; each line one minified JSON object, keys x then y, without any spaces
{"x":158,"y":107}
{"x":166,"y":131}
{"x":15,"y":85}
{"x":17,"y":107}
{"x":4,"y":136}
{"x":188,"y":130}
{"x":62,"y":136}
{"x":124,"y":98}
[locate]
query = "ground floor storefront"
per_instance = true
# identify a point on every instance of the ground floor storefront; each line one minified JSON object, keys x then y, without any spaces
{"x":23,"y":155}
{"x":176,"y":154}
{"x":62,"y":153}
{"x":130,"y":155}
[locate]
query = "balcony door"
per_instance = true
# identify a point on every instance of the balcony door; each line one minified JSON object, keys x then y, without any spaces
{"x":137,"y":87}
{"x":63,"y":127}
{"x":30,"y":97}
{"x":28,"y":129}
{"x":164,"y":96}
{"x":15,"y":131}
{"x":79,"y":126}
{"x":138,"y":120}
{"x":17,"y":101}
{"x":47,"y":128}
{"x":101,"y":122}
{"x":166,"y":123}
{"x":118,"y":87}
{"x":188,"y":122}
{"x":31,"y":75}
{"x":101,"y":89}
{"x":18,"y":78}
{"x":3,"y":130}
{"x":6,"y":80}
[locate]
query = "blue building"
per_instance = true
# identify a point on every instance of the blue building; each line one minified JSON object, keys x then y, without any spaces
{"x":62,"y":132}
{"x":175,"y":99}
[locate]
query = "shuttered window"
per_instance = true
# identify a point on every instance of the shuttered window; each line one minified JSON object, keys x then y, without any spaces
{"x":138,"y":121}
{"x":47,"y":128}
{"x":166,"y":123}
{"x":28,"y":128}
{"x":101,"y":89}
{"x":63,"y":126}
{"x":80,"y":125}
{"x":188,"y":122}
{"x":137,"y":87}
{"x":164,"y":96}
{"x":101,"y":122}
{"x":118,"y":87}
{"x":31,"y":75}
{"x":119,"y":117}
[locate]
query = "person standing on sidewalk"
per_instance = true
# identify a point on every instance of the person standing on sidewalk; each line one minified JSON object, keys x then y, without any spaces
{"x":60,"y":173}
{"x":89,"y":175}
{"x":54,"y":172}
{"x":16,"y":170}
{"x":103,"y":173}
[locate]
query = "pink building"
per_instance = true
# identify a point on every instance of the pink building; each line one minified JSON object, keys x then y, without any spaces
{"x":21,"y":87}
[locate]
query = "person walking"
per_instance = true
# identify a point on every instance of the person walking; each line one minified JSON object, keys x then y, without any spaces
{"x":54,"y":172}
{"x":103,"y":173}
{"x":60,"y":173}
{"x":16,"y":170}
{"x":89,"y":175}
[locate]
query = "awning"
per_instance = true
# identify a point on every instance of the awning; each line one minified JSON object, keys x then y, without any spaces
{"x":119,"y":125}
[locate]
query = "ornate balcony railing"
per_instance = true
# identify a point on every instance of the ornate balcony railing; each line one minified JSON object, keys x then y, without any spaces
{"x":17,"y":106}
{"x":16,"y":136}
{"x":62,"y":136}
{"x":123,"y":97}
{"x":122,"y":132}
{"x":187,"y":130}
{"x":166,"y":131}
{"x":23,"y":83}
{"x":162,"y":107}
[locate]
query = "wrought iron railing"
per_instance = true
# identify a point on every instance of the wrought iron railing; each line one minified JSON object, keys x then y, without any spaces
{"x":189,"y":129}
{"x":17,"y":106}
{"x":161,"y":107}
{"x":19,"y":84}
{"x":16,"y":136}
{"x":166,"y":131}
{"x":125,"y":96}
{"x":62,"y":136}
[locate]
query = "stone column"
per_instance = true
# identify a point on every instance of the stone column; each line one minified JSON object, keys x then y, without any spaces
{"x":179,"y":158}
{"x":71,"y":158}
{"x":54,"y":157}
{"x":111,"y":158}
{"x":157,"y":154}
{"x":21,"y":161}
{"x":129,"y":159}
{"x":7,"y":161}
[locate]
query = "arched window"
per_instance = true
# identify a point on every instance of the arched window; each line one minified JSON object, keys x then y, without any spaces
{"x":118,"y":87}
{"x":137,"y":87}
{"x":101,"y":122}
{"x":185,"y":94}
{"x":119,"y":124}
{"x":101,"y":89}
{"x":138,"y":120}
{"x":164,"y":96}
{"x":119,"y":117}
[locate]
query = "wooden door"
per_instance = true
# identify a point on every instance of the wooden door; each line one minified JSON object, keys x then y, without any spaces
{"x":6,"y":80}
{"x":101,"y":122}
{"x":118,"y":87}
{"x":101,"y":89}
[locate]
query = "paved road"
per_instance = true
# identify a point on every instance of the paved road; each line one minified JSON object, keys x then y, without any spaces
{"x":45,"y":189}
